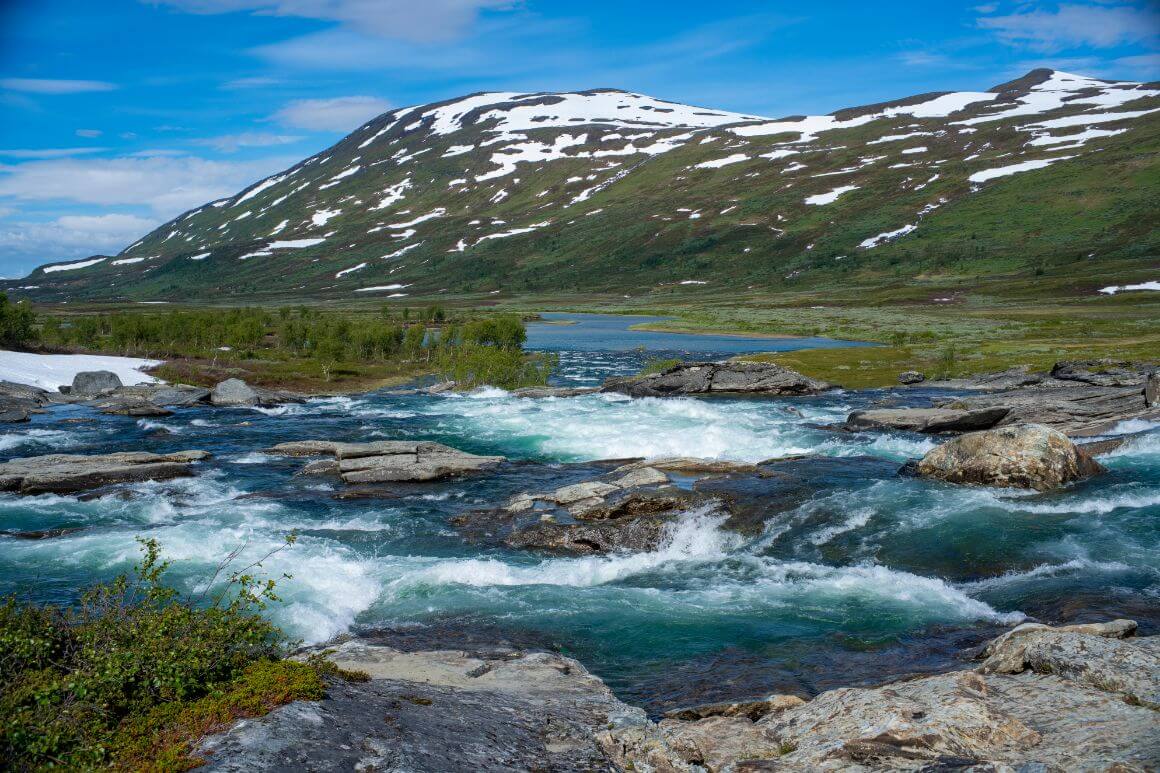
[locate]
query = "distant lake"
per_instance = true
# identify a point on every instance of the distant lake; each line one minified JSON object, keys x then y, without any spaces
{"x":562,"y":331}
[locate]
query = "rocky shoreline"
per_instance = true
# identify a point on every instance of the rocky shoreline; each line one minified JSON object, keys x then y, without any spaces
{"x":1079,"y":697}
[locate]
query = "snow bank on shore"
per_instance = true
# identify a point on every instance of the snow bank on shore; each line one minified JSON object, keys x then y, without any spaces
{"x":50,"y":371}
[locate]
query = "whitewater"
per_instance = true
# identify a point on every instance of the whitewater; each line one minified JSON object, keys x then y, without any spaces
{"x":862,"y":572}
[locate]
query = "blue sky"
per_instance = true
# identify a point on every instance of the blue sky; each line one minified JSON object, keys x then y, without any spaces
{"x":118,"y":115}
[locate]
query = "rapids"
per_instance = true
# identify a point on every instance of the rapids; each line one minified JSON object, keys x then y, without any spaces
{"x":866,"y":574}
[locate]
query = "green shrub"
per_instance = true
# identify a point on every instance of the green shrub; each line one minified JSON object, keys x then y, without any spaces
{"x":471,"y":365}
{"x":16,"y":322}
{"x":658,"y":366}
{"x":132,"y":675}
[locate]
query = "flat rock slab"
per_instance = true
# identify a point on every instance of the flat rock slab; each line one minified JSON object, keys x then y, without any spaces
{"x":69,"y":473}
{"x":928,"y":420}
{"x":435,"y":711}
{"x":695,"y":378}
{"x":390,"y":461}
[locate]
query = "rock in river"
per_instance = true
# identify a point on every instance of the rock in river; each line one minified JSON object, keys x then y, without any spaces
{"x":391,"y":461}
{"x":1023,"y":456}
{"x":69,"y":473}
{"x":695,"y":378}
{"x":929,"y":420}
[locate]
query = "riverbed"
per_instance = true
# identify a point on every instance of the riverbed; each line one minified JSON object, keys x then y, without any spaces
{"x":860,"y":575}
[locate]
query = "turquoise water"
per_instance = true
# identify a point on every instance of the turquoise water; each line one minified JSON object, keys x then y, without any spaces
{"x":859,"y":573}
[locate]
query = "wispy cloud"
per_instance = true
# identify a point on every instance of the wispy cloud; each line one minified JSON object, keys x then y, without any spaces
{"x":88,"y":133}
{"x":229,"y":143}
{"x":254,"y":82}
{"x":338,"y":114}
{"x":49,"y":152}
{"x":426,"y":21}
{"x":1074,"y":25}
{"x":53,"y":86}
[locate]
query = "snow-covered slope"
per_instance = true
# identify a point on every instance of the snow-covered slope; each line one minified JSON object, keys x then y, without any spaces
{"x":609,"y":189}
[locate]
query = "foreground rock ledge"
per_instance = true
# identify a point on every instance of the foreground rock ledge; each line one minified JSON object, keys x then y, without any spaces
{"x":388,"y":461}
{"x":1026,"y":456}
{"x":1043,"y":699}
{"x":68,"y":473}
{"x":696,"y":378}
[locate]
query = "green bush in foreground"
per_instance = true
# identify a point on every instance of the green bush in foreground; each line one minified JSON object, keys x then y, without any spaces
{"x":133,"y":675}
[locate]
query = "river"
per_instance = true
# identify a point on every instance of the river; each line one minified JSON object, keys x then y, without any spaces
{"x":859,"y":574}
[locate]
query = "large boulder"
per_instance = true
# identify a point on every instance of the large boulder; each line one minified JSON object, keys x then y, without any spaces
{"x":1025,"y":456}
{"x":234,"y":392}
{"x":929,"y":420}
{"x":70,"y":473}
{"x":95,"y":382}
{"x":695,"y":378}
{"x":911,"y":377}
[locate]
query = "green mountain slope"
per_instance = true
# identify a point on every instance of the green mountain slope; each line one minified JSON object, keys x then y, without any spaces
{"x":618,"y":192}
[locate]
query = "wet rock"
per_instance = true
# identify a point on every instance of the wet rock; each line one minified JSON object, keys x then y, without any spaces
{"x":751,"y":710}
{"x":13,"y":414}
{"x":1025,"y":456}
{"x":1045,"y":699}
{"x":39,"y":534}
{"x":687,"y":465}
{"x":178,"y":395}
{"x":95,"y":382}
{"x":304,"y":448}
{"x":718,"y":378}
{"x":234,"y":392}
{"x":130,"y":406}
{"x":1101,"y":447}
{"x":321,"y":467}
{"x":911,"y":377}
{"x":1109,"y":373}
{"x":11,"y":391}
{"x":391,"y":460}
{"x":68,"y":473}
{"x":928,"y":420}
{"x":1152,"y":390}
{"x":452,"y":711}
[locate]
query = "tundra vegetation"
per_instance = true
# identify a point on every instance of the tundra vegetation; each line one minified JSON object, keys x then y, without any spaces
{"x":134,"y":673}
{"x":299,"y":347}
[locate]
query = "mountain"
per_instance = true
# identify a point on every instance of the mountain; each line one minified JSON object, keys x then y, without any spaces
{"x":607,"y":190}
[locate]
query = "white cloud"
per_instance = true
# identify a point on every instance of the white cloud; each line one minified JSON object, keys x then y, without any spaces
{"x":25,"y":245}
{"x":53,"y":86}
{"x":228,"y":143}
{"x":426,"y":21}
{"x":89,"y":133}
{"x":1071,"y":25}
{"x":166,"y":185}
{"x":256,"y":82}
{"x":339,"y":114}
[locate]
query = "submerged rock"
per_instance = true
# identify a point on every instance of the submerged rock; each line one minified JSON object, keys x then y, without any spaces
{"x":388,"y":461}
{"x":929,"y":420}
{"x":95,"y":382}
{"x":68,"y":473}
{"x":548,"y":391}
{"x":764,"y":378}
{"x":1025,"y":456}
{"x":131,"y":406}
{"x":1045,"y":699}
